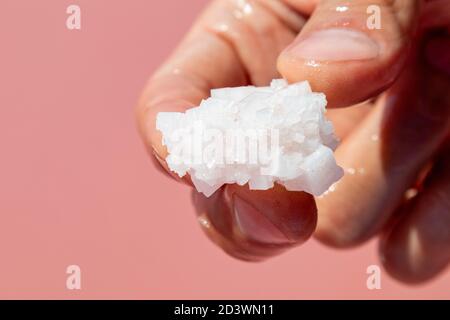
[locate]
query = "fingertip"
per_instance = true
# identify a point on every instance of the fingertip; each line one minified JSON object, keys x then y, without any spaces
{"x":417,"y":247}
{"x":341,"y":55}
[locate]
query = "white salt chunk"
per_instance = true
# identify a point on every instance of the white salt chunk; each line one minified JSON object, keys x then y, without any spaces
{"x":254,"y":135}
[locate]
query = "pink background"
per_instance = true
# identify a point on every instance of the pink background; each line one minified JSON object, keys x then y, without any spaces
{"x":76,"y":185}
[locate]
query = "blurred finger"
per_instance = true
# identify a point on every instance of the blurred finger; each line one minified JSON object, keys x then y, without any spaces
{"x":384,"y":156}
{"x":418,"y":247}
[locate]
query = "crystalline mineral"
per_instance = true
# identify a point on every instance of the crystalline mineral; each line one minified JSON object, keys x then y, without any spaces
{"x":255,"y":135}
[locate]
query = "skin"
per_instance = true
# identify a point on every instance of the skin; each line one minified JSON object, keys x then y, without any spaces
{"x":394,"y":136}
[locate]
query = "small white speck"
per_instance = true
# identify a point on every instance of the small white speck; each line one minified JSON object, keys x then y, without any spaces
{"x":351,"y":171}
{"x":341,"y":8}
{"x":203,"y":222}
{"x":374,"y":137}
{"x":312,"y":63}
{"x":223,"y":27}
{"x":247,"y":9}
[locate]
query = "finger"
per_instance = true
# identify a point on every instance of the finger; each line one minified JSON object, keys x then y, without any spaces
{"x":255,"y":225}
{"x":344,"y":53}
{"x":418,"y":247}
{"x":384,"y":156}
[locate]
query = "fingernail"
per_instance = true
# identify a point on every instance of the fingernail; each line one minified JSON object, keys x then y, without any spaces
{"x":255,"y":225}
{"x":337,"y":44}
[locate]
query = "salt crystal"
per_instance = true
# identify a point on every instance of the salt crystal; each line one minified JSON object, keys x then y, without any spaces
{"x":255,"y":135}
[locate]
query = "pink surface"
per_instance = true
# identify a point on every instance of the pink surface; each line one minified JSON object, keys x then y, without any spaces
{"x":76,"y":185}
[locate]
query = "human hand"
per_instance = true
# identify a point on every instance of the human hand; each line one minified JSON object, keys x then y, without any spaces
{"x":389,"y":144}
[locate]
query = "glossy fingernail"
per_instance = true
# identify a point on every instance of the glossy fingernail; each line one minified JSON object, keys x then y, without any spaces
{"x":337,"y":44}
{"x":255,"y":225}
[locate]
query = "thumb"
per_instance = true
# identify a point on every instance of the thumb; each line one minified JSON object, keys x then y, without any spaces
{"x":349,"y":45}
